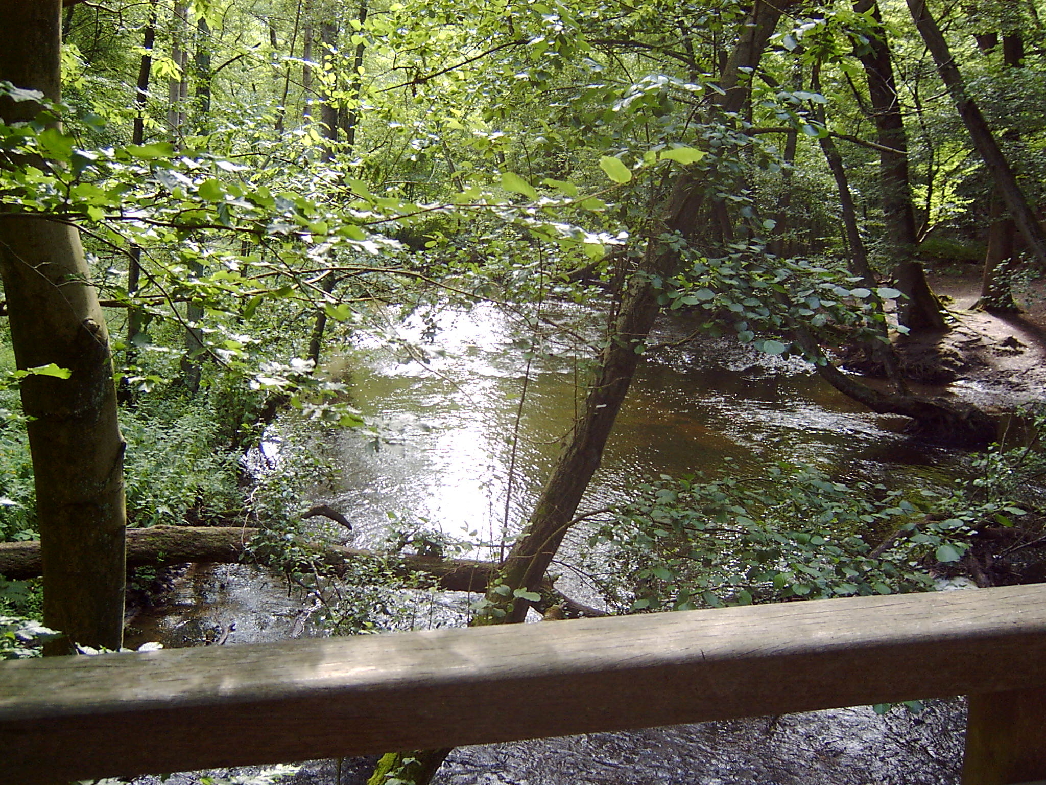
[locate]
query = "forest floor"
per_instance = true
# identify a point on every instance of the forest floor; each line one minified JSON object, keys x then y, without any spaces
{"x":996,"y":362}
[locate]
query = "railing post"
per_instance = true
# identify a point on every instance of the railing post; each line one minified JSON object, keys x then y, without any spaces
{"x":1006,"y":738}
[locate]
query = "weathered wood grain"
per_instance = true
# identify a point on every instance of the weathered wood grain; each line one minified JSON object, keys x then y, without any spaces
{"x":73,"y":718}
{"x":1006,"y":738}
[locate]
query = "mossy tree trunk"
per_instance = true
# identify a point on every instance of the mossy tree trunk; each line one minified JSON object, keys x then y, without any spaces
{"x":55,"y":318}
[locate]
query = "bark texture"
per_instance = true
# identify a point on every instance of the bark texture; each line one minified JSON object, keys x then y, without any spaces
{"x":75,"y":441}
{"x":920,"y":310}
{"x":164,"y":546}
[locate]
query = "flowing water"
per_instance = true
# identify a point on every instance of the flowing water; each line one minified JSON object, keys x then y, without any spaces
{"x":455,"y":452}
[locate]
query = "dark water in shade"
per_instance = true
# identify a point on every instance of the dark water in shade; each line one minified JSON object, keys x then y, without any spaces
{"x":446,"y":413}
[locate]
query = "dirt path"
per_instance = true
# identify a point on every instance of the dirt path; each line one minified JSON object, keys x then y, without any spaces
{"x":995,"y":362}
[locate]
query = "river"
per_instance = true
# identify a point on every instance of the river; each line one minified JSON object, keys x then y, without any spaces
{"x":450,"y":440}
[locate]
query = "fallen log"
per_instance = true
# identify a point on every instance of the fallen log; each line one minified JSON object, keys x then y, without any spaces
{"x":162,"y":546}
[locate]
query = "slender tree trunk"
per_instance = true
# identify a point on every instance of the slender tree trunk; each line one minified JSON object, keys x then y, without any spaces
{"x":980,"y":133}
{"x":281,"y":110}
{"x":352,"y":119}
{"x":881,"y":350}
{"x":329,"y":107}
{"x":54,"y":317}
{"x":178,"y":89}
{"x":134,"y":263}
{"x":920,"y":309}
{"x":306,"y":68}
{"x":524,"y":568}
{"x":202,"y":61}
{"x":319,"y":327}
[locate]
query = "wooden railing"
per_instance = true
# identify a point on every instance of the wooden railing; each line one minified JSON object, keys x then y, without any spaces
{"x":181,"y":709}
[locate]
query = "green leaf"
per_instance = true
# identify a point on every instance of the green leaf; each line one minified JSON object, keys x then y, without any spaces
{"x":211,"y":190}
{"x":563,"y":186}
{"x":531,"y":596}
{"x":340,"y":313}
{"x":594,"y":251}
{"x":252,"y":306}
{"x":948,"y":553}
{"x":46,"y":370}
{"x":683,"y":155}
{"x":148,"y":152}
{"x":594,"y":205}
{"x":19,"y":94}
{"x":56,"y":144}
{"x":861,"y":292}
{"x":774,"y":347}
{"x":513,"y":182}
{"x":888,"y":292}
{"x":615,"y":169}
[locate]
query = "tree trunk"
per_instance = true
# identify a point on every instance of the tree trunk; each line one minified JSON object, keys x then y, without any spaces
{"x":164,"y":546}
{"x":306,"y":68}
{"x":134,"y":260}
{"x":75,"y":441}
{"x":329,"y":107}
{"x":524,"y":568}
{"x":980,"y":133}
{"x":881,"y":350}
{"x":178,"y":89}
{"x":352,"y":119}
{"x":1001,"y":259}
{"x":919,"y":310}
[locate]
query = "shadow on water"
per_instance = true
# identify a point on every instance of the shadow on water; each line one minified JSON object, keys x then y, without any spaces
{"x":443,"y":460}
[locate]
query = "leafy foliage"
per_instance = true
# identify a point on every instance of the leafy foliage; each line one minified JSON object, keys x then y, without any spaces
{"x":792,"y":534}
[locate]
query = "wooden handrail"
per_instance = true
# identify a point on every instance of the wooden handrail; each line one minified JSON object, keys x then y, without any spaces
{"x":180,"y":709}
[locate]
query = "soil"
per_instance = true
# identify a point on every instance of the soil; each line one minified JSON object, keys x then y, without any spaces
{"x":994,"y":361}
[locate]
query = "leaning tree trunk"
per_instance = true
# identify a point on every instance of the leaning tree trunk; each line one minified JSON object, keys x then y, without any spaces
{"x":55,"y":318}
{"x":524,"y":569}
{"x":980,"y":133}
{"x":919,"y":309}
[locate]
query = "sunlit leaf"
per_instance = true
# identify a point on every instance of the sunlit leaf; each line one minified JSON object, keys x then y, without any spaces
{"x":615,"y":169}
{"x":211,"y":190}
{"x":513,"y":182}
{"x":151,"y":151}
{"x":683,"y":155}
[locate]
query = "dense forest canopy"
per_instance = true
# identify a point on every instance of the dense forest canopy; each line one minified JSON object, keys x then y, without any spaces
{"x":200,"y":198}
